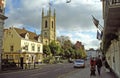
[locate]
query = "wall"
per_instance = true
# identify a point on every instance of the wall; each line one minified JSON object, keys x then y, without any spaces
{"x":113,"y":56}
{"x":11,"y":38}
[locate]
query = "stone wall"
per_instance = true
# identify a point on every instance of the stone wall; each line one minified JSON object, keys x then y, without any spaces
{"x":113,"y":56}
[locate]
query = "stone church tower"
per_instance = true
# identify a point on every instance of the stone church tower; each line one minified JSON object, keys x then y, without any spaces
{"x":48,"y":28}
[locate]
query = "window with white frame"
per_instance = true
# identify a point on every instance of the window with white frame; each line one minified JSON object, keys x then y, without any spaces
{"x":33,"y":48}
{"x":38,"y":49}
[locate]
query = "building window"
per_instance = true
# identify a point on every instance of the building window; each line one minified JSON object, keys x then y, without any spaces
{"x":52,"y":24}
{"x":1,"y":9}
{"x":6,"y":56}
{"x":38,"y":49}
{"x":11,"y":48}
{"x":26,"y":47}
{"x":33,"y":48}
{"x":46,"y":24}
{"x":46,"y":42}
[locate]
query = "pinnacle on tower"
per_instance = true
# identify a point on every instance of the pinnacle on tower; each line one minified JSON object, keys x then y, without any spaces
{"x":42,"y":12}
{"x":49,"y":11}
{"x":54,"y":12}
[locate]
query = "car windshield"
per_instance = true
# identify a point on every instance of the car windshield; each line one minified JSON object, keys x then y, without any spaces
{"x":79,"y":61}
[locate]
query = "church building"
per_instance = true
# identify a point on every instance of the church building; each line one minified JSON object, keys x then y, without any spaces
{"x":48,"y":28}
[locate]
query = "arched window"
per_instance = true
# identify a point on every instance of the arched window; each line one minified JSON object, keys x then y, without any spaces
{"x":46,"y":24}
{"x":52,"y":24}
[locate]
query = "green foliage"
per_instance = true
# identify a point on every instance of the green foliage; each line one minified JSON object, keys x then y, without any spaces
{"x":46,"y":50}
{"x":68,"y":50}
{"x":77,"y":54}
{"x":49,"y":59}
{"x":65,"y":51}
{"x":55,"y":48}
{"x":84,"y":55}
{"x":52,"y":50}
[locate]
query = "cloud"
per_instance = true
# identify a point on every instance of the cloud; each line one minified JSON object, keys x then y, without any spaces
{"x":88,"y":38}
{"x":73,"y":19}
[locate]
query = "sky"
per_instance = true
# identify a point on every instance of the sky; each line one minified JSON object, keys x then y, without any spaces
{"x":72,"y":19}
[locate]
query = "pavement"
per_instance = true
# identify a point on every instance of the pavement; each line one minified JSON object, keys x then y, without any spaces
{"x":85,"y":73}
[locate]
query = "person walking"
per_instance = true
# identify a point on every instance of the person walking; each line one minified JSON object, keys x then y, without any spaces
{"x":99,"y":65}
{"x":92,"y":67}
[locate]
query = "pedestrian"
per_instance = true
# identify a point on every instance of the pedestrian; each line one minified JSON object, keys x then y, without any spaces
{"x":99,"y":64}
{"x":92,"y":67}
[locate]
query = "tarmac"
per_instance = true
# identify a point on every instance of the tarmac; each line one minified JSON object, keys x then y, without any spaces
{"x":85,"y":73}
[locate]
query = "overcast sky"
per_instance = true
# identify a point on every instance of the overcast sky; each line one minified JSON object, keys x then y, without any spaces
{"x":72,"y":19}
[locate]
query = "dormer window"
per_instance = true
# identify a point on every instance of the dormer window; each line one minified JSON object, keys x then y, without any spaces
{"x":27,"y":36}
{"x":39,"y":39}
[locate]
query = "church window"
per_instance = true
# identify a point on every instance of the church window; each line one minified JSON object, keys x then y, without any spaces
{"x":52,"y":24}
{"x":46,"y":24}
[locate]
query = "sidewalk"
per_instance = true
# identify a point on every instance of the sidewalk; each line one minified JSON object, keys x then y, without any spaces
{"x":85,"y":73}
{"x":19,"y":69}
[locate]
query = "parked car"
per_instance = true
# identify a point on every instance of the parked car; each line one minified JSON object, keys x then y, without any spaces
{"x":79,"y":63}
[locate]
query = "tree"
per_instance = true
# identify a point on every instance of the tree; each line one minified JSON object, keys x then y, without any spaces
{"x":55,"y":48}
{"x":68,"y":50}
{"x":78,"y":54}
{"x":46,"y":50}
{"x":84,"y":55}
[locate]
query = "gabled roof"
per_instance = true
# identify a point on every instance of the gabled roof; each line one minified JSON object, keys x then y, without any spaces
{"x":22,"y":32}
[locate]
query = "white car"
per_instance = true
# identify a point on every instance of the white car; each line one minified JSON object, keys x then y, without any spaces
{"x":79,"y":63}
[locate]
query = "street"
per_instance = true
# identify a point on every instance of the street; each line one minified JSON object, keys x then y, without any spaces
{"x":85,"y":73}
{"x":56,"y":71}
{"x":46,"y":71}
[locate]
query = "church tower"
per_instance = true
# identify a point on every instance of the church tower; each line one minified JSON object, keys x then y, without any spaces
{"x":48,"y":28}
